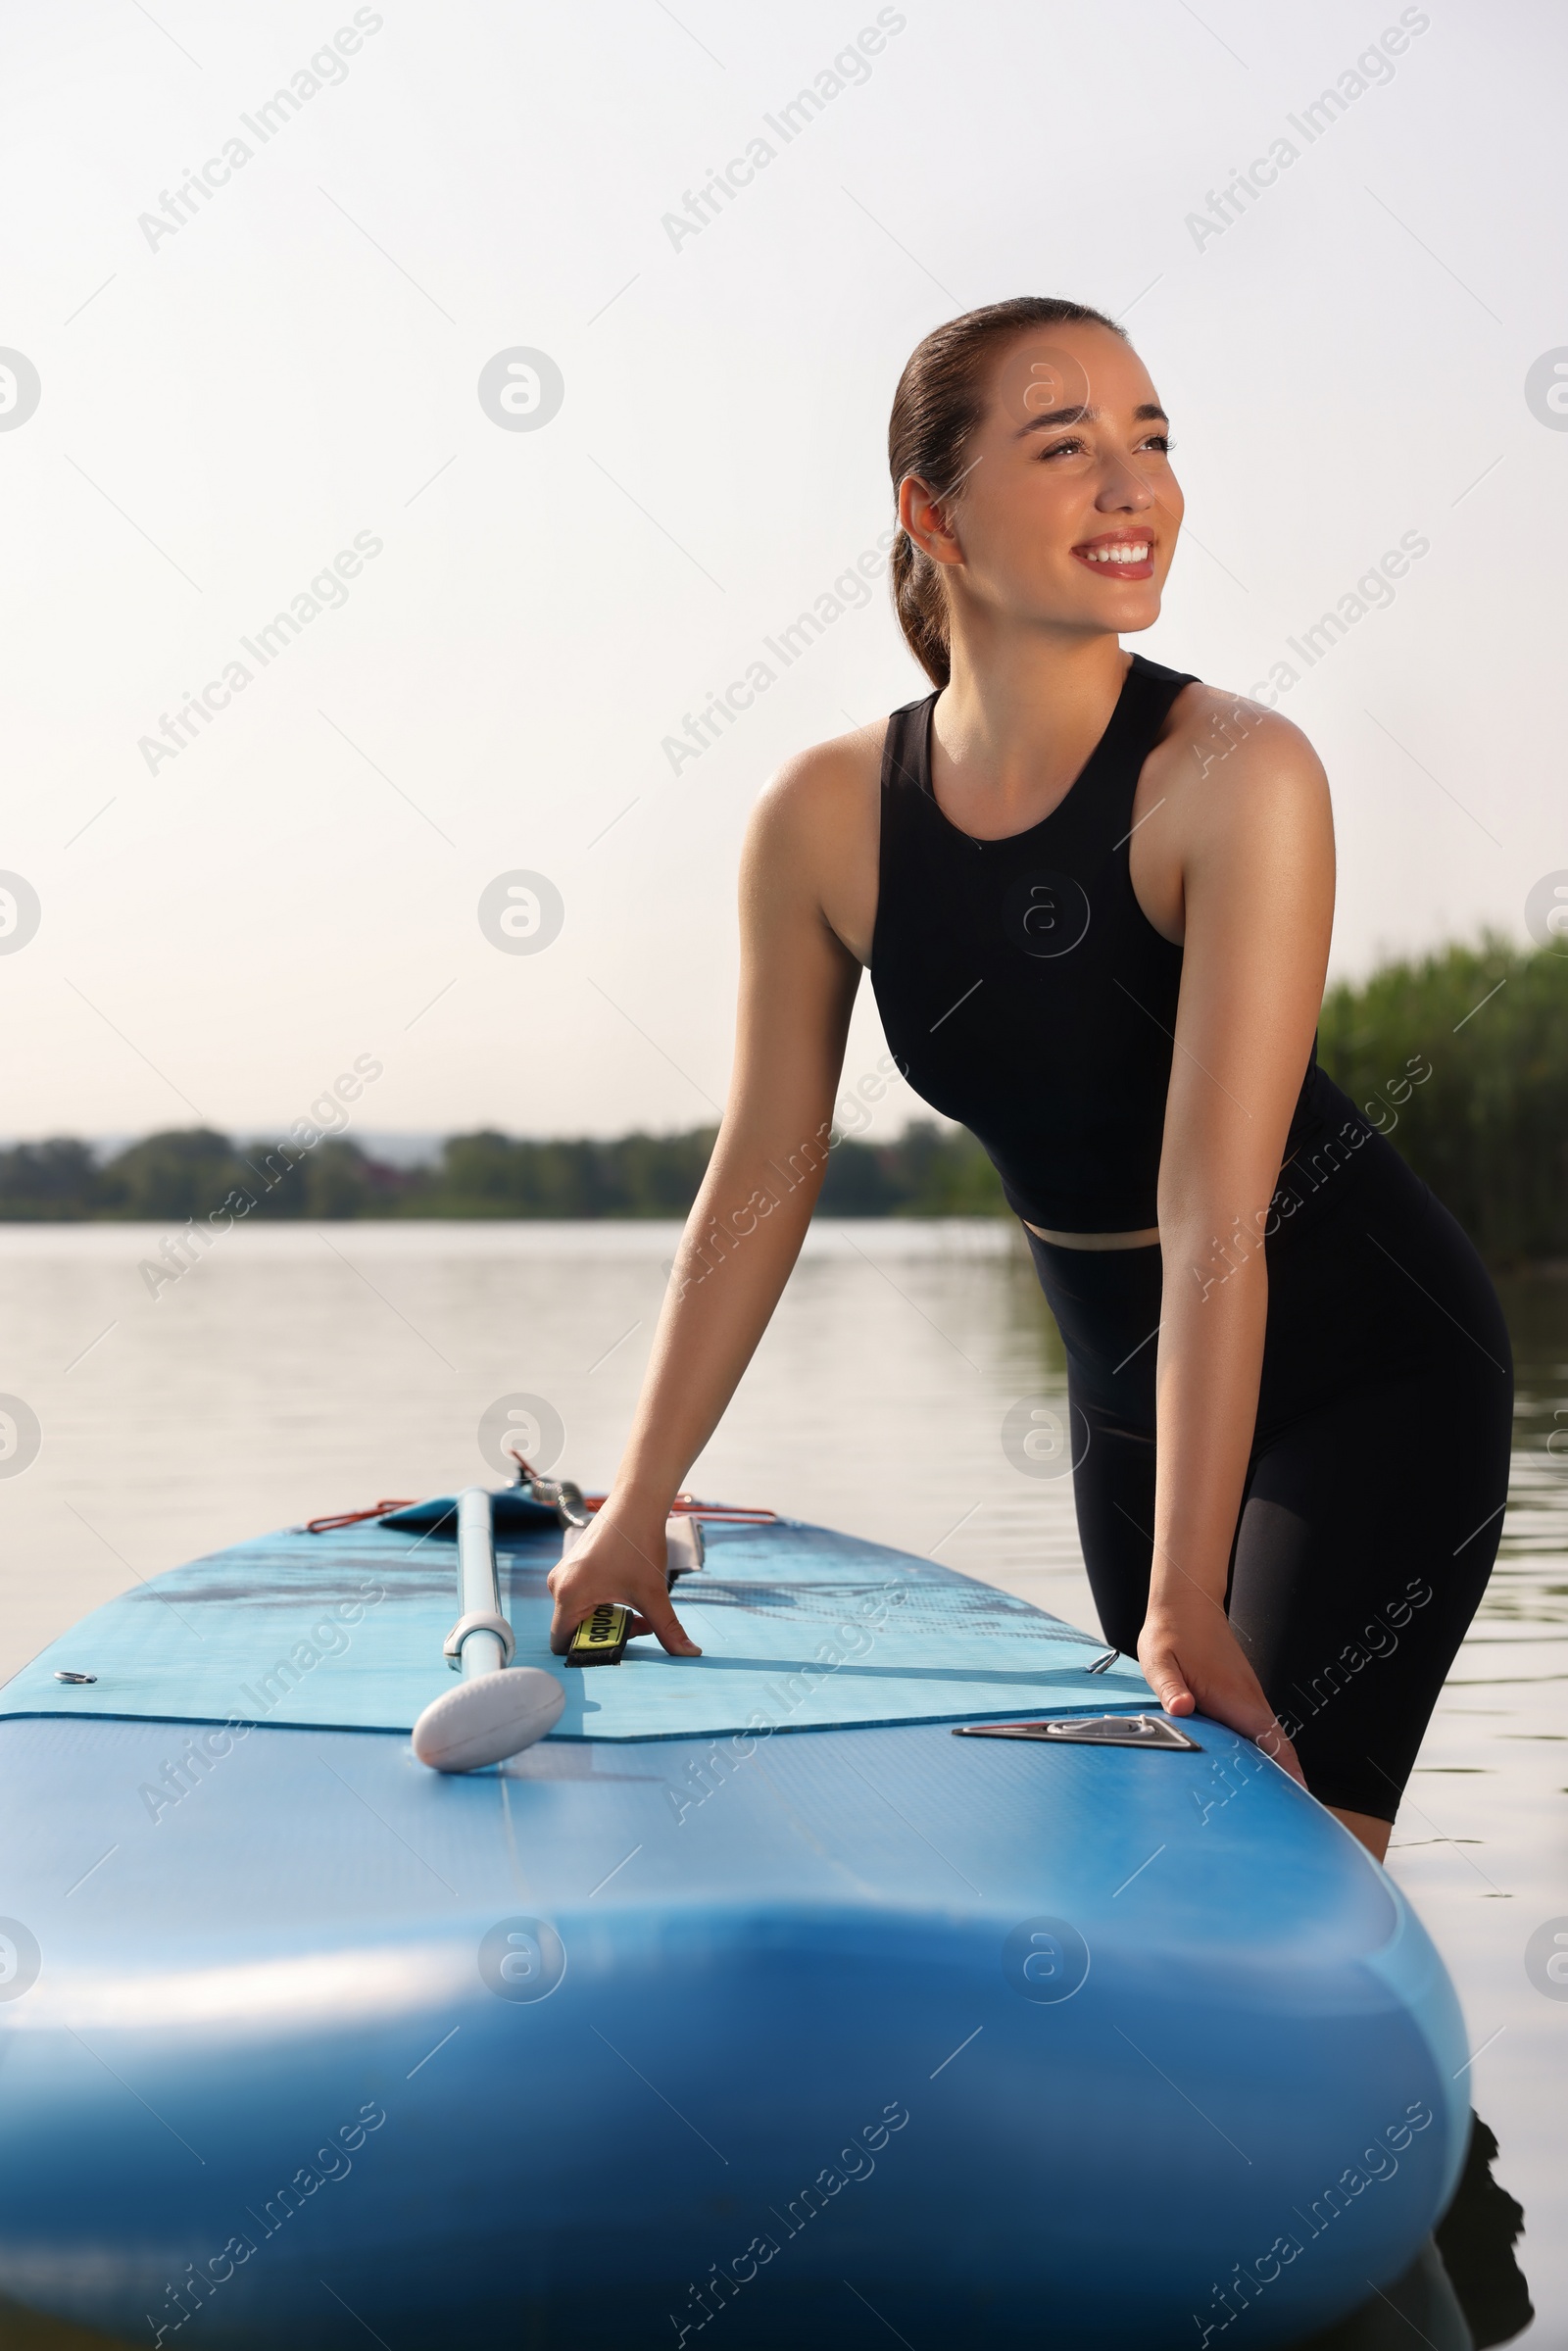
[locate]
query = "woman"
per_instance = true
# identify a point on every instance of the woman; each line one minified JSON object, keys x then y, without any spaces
{"x":1094,"y":898}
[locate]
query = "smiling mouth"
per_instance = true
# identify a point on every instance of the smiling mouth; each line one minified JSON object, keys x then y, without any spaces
{"x":1128,"y":557}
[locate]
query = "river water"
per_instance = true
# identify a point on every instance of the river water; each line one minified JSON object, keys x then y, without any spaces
{"x":299,"y":1370}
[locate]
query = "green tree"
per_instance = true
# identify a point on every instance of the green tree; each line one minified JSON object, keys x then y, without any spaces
{"x":1488,"y":1129}
{"x":54,"y":1182}
{"x":948,"y":1175}
{"x":168,"y":1177}
{"x":337,"y":1180}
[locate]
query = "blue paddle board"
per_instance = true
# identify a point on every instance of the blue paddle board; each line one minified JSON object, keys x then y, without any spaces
{"x":774,"y":1997}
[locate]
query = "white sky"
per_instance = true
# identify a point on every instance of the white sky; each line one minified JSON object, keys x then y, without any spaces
{"x":298,"y":364}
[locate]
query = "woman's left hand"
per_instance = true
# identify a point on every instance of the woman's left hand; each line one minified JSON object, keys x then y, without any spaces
{"x":621,"y":1558}
{"x":1194,"y":1663}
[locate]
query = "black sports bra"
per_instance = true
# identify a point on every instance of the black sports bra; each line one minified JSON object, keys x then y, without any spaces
{"x":1022,"y":988}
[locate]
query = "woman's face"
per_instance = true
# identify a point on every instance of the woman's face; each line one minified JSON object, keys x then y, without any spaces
{"x":1068,"y":511}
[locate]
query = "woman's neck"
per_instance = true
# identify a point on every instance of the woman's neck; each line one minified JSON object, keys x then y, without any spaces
{"x":1016,"y":724}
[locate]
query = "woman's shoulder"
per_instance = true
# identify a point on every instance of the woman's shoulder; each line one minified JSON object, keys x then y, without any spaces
{"x":813,"y":833}
{"x":821,"y":777}
{"x":1213,"y":735}
{"x":1245,"y":798}
{"x":823,"y":793}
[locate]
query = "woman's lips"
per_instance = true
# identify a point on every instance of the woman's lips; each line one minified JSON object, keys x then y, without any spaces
{"x":1123,"y":555}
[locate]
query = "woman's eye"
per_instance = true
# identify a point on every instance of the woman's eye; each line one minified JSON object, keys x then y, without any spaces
{"x":1161,"y":444}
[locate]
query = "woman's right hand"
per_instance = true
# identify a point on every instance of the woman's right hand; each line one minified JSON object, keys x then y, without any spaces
{"x":1193,"y":1662}
{"x":620,"y":1558}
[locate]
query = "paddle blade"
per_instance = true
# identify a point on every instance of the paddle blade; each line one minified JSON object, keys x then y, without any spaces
{"x":491,"y":1717}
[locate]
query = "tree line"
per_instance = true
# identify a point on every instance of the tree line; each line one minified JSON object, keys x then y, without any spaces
{"x":193,"y":1171}
{"x":1460,"y":1057}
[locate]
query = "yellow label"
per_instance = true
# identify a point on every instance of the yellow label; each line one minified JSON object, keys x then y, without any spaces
{"x":605,"y":1630}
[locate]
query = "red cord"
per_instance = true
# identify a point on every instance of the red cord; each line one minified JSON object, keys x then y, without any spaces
{"x":682,"y":1505}
{"x":351,"y":1518}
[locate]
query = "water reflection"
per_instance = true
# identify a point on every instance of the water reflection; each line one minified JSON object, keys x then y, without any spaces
{"x":1466,"y":2291}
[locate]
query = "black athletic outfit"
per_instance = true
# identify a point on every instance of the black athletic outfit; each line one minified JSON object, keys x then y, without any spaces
{"x":1025,"y":993}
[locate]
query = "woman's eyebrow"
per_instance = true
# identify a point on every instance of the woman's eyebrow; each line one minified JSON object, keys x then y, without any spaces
{"x":1050,"y":420}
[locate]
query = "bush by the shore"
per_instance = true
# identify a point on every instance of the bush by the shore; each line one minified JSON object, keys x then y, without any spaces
{"x":1489,"y":1128}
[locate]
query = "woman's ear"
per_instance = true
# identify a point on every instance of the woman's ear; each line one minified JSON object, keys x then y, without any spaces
{"x":927,"y":522}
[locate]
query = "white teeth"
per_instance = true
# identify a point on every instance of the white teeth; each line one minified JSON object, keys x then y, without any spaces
{"x":1138,"y":554}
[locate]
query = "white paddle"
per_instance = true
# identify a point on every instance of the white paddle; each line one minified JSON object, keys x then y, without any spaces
{"x":498,"y":1709}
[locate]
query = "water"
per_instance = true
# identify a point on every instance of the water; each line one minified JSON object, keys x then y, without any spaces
{"x":301,"y":1370}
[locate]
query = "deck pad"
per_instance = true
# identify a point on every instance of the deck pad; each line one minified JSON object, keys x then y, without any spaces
{"x":801,"y":1628}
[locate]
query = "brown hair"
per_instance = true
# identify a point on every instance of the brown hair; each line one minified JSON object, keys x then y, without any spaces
{"x":939,"y":402}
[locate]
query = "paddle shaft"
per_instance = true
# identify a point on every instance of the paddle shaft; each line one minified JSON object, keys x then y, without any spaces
{"x":479,"y":1591}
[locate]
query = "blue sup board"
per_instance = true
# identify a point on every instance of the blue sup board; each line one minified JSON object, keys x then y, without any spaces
{"x":784,"y":1995}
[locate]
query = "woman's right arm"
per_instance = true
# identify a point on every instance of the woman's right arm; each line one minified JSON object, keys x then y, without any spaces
{"x":797,"y":990}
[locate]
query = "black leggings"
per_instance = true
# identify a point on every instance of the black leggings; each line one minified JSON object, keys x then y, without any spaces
{"x":1379,"y":1467}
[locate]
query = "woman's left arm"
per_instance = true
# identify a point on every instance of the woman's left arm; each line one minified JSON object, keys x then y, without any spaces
{"x":1256,"y":852}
